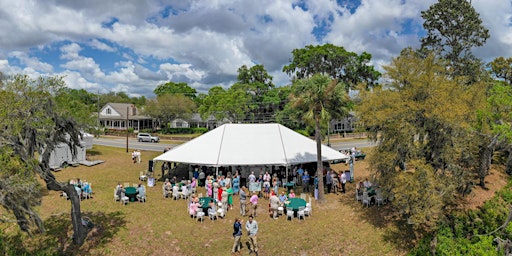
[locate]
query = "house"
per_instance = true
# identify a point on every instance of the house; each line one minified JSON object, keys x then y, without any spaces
{"x":195,"y":121}
{"x":119,"y":116}
{"x":347,"y":124}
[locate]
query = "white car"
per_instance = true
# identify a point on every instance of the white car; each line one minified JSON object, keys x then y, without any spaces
{"x":146,"y":137}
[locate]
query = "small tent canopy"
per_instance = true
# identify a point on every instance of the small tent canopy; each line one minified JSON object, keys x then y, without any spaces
{"x":249,"y":145}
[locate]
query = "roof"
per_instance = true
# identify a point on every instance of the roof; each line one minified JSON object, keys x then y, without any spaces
{"x":121,"y":109}
{"x":249,"y":144}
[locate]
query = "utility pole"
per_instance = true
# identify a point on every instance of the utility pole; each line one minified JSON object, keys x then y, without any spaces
{"x":127,"y":113}
{"x":98,"y":121}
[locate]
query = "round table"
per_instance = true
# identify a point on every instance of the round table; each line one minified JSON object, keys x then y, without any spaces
{"x":205,"y":203}
{"x":130,"y":192}
{"x":295,"y":203}
{"x":289,"y":186}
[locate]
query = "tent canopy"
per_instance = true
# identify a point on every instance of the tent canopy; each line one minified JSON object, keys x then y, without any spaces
{"x":249,"y":144}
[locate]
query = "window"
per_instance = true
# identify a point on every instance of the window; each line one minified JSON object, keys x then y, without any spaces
{"x":179,"y":124}
{"x":109,"y":111}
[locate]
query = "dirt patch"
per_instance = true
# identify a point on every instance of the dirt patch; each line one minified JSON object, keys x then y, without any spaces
{"x":495,"y":181}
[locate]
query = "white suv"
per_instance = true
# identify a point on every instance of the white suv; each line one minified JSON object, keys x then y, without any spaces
{"x":147,"y":137}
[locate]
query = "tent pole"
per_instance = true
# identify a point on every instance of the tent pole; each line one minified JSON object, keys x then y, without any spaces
{"x":286,"y":174}
{"x":216,"y":171}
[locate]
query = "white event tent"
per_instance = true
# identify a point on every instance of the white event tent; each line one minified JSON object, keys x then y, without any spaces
{"x":249,"y":145}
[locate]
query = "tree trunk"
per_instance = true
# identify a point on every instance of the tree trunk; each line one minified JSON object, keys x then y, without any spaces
{"x":79,"y":231}
{"x":508,"y":165}
{"x":485,"y":154}
{"x":319,"y":164}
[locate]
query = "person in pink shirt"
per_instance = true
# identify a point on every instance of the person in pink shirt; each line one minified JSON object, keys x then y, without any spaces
{"x":292,"y":194}
{"x":254,"y":203}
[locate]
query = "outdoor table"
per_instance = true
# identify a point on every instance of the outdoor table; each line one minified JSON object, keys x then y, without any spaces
{"x":204,"y":202}
{"x":130,"y":192}
{"x":371,"y":191}
{"x":295,"y":203}
{"x":289,"y":186}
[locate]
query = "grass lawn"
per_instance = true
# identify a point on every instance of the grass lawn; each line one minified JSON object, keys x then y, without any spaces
{"x":162,"y":226}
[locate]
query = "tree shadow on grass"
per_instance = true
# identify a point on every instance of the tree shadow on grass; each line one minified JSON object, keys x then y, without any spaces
{"x":397,"y":231}
{"x":59,"y":232}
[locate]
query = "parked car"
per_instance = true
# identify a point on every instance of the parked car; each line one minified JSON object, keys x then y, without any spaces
{"x":146,"y":137}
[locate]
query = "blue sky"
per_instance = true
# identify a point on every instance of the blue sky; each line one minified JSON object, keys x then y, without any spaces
{"x":133,"y":46}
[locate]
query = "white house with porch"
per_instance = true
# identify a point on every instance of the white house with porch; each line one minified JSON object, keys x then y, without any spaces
{"x":121,"y":116}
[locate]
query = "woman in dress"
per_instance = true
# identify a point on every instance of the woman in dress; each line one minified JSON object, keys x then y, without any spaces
{"x":230,"y":197}
{"x":209,"y":187}
{"x":236,"y":184}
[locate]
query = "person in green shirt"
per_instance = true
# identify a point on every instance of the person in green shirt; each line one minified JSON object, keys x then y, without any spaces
{"x":230,"y":197}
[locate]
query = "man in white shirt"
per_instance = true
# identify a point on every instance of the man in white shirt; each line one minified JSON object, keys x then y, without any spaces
{"x":367,"y":183}
{"x":343,"y":180}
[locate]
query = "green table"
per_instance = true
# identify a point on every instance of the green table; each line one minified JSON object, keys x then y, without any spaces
{"x":295,"y":203}
{"x":205,"y":203}
{"x":289,"y":186}
{"x":130,"y":192}
{"x":371,"y":191}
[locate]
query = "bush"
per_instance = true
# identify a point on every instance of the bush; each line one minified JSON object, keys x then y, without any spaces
{"x":466,"y":235}
{"x":187,"y":130}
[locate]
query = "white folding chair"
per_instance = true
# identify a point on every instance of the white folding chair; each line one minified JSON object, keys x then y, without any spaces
{"x":280,"y":210}
{"x":300,"y":213}
{"x":366,"y":199}
{"x":175,"y":193}
{"x":200,"y":215}
{"x":142,"y":176}
{"x":124,"y":199}
{"x":358,"y":196}
{"x":289,"y":213}
{"x":303,"y":196}
{"x":378,"y":198}
{"x":116,"y":197}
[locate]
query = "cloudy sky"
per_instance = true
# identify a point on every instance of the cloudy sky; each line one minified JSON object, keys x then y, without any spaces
{"x":132,"y":46}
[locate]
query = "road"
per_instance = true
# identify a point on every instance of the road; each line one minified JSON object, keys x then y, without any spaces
{"x":147,"y":146}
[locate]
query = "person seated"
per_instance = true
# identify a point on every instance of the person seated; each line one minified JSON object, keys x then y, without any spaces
{"x":141,"y":193}
{"x":192,"y":209}
{"x":367,"y":184}
{"x":87,"y":189}
{"x":292,"y":194}
{"x":78,"y":191}
{"x":359,"y":187}
{"x":212,"y":210}
{"x":173,"y":180}
{"x":184,"y":191}
{"x":167,"y":185}
{"x":282,"y":198}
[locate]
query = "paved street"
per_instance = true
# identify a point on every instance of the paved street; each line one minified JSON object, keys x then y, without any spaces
{"x":134,"y":144}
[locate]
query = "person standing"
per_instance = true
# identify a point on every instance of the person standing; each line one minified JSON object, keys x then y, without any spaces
{"x":237,"y":234}
{"x":243,"y":201}
{"x":252,"y":230}
{"x":274,"y":204}
{"x":254,"y":203}
{"x":305,"y":181}
{"x":328,"y":181}
{"x":300,"y":173}
{"x":343,"y":181}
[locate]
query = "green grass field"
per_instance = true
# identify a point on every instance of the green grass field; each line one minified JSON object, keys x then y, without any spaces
{"x":162,"y":226}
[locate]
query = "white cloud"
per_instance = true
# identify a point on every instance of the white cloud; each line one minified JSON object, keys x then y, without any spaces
{"x":32,"y":62}
{"x":205,"y":42}
{"x":95,"y":43}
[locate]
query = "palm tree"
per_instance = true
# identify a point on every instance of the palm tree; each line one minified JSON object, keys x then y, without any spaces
{"x":319,"y":98}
